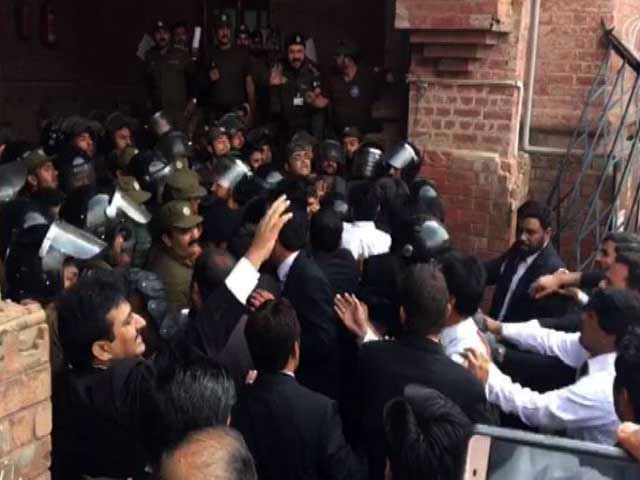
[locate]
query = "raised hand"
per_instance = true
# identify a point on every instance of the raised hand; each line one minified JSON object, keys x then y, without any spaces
{"x":353,"y":313}
{"x":267,"y":232}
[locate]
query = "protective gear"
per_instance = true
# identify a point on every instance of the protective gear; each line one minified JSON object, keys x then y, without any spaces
{"x":429,"y":240}
{"x":34,"y":217}
{"x":367,"y":162}
{"x":151,"y":169}
{"x":424,"y":199}
{"x":331,"y":149}
{"x":232,"y":123}
{"x":75,"y":125}
{"x":174,"y":145}
{"x":64,"y":240}
{"x":160,"y":123}
{"x":232,"y":170}
{"x":12,"y":178}
{"x":76,"y":170}
{"x":273,"y":179}
{"x":403,"y":155}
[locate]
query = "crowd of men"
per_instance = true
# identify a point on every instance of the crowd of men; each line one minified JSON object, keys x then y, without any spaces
{"x":247,"y":285}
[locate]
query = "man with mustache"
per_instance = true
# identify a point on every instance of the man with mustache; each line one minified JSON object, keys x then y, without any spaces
{"x":228,"y":73}
{"x":177,"y":250}
{"x":296,"y":96}
{"x":170,"y":72}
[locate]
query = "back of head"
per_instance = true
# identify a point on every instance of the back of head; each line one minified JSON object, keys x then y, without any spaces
{"x":211,"y":269}
{"x":426,"y":435}
{"x":82,"y":315}
{"x":466,"y":279}
{"x":534,"y":209}
{"x":271,"y":332}
{"x":218,"y":453}
{"x":622,"y":240}
{"x":294,"y":235}
{"x":617,"y":310}
{"x":365,"y":205}
{"x":424,"y":298}
{"x":189,"y":398}
{"x":628,"y":370}
{"x":632,"y":262}
{"x":326,"y":231}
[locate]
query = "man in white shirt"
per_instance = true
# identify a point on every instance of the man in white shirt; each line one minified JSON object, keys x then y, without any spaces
{"x":584,"y":409}
{"x":361,"y":237}
{"x":466,"y":278}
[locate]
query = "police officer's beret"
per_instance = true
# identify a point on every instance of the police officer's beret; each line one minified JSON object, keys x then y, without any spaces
{"x":222,"y":20}
{"x":184,"y":185}
{"x":178,"y":214}
{"x":348,"y":49}
{"x":35,"y":159}
{"x":242,"y":29}
{"x":295,"y":39}
{"x":131,"y":187}
{"x":159,"y":25}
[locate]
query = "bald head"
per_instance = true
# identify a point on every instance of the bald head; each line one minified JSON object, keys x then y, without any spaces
{"x":212,"y":454}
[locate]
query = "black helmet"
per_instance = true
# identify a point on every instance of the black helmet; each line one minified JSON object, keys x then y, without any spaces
{"x":331,"y":149}
{"x":151,"y":169}
{"x":76,"y":170}
{"x":429,"y":239}
{"x":367,"y":162}
{"x":402,"y":156}
{"x":160,"y":123}
{"x":174,"y":145}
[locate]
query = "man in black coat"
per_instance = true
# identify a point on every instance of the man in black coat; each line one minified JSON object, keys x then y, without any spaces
{"x":530,"y":257}
{"x":292,"y":432}
{"x":105,"y":404}
{"x":310,"y":293}
{"x":415,"y":356}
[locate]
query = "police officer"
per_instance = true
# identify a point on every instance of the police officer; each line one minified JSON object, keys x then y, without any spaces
{"x":184,"y":185}
{"x":131,"y":187}
{"x":177,"y":250}
{"x":294,"y":97}
{"x":180,"y":34}
{"x":236,"y":129}
{"x":352,"y":90}
{"x":219,"y":146}
{"x":259,"y":59}
{"x":351,"y":139}
{"x":243,"y":39}
{"x":170,"y":71}
{"x":228,"y":73}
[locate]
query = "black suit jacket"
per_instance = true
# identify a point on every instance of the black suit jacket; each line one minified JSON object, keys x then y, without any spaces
{"x":340,"y":268}
{"x":310,"y":293}
{"x":522,"y":306}
{"x":293,"y":432}
{"x":386,"y":367}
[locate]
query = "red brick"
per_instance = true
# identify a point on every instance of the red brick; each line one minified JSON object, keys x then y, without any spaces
{"x":467,"y":113}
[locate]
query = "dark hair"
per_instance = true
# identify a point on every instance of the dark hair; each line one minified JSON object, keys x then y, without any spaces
{"x":424,"y":297}
{"x":191,"y":398}
{"x":271,"y":332}
{"x":295,"y":232}
{"x":617,"y":309}
{"x":364,"y":202}
{"x":466,"y":279}
{"x":628,"y":369}
{"x":326,"y":231}
{"x":211,"y":269}
{"x":218,"y":452}
{"x":622,"y":238}
{"x":426,"y":435}
{"x":533,"y":209}
{"x":82,"y":315}
{"x":632,"y":262}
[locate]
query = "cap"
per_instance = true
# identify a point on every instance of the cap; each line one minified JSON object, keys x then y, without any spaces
{"x":124,"y":158}
{"x":242,"y":29}
{"x":35,"y":159}
{"x":131,"y":187}
{"x":304,"y":138}
{"x":294,"y":39}
{"x":178,"y":214}
{"x":352,"y":131}
{"x":293,"y":148}
{"x":217,"y":131}
{"x":232,"y":123}
{"x":222,"y":20}
{"x":184,"y":185}
{"x":159,"y":25}
{"x":348,"y":49}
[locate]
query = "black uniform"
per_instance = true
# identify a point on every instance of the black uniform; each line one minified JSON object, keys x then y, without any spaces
{"x":351,"y":101}
{"x":229,"y":90}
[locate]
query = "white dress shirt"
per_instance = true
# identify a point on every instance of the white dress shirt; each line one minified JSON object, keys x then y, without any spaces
{"x":523,"y":266}
{"x":285,"y":266}
{"x":364,"y":240}
{"x":585,"y":409}
{"x":459,"y":337}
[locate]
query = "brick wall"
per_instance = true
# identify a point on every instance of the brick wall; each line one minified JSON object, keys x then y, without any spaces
{"x":466,"y":77}
{"x":25,"y":390}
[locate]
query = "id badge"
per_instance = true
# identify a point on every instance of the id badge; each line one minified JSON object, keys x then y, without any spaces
{"x":298,"y":100}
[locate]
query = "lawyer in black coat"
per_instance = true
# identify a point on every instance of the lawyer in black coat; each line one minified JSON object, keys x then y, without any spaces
{"x":291,"y":431}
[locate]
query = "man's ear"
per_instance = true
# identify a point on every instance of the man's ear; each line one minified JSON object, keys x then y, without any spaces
{"x":451,"y":305}
{"x":166,"y":240}
{"x":286,"y":166}
{"x":101,"y":350}
{"x":32,"y":180}
{"x":403,"y":316}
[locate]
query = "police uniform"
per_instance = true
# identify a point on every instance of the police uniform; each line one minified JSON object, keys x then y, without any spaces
{"x":287,"y":100}
{"x":351,"y":101}
{"x":170,"y":76}
{"x":175,"y":272}
{"x":234,"y":67}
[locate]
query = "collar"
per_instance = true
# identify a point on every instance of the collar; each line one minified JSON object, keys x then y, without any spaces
{"x":285,"y":266}
{"x":420,"y":343}
{"x":288,"y":373}
{"x":602,"y":363}
{"x":449,"y":334}
{"x":364,"y":224}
